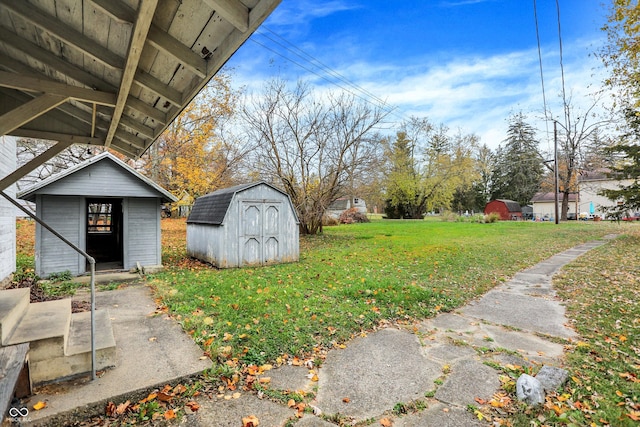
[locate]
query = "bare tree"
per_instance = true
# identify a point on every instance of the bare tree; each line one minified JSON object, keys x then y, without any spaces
{"x":579,"y":129}
{"x":28,"y":149}
{"x":311,"y":145}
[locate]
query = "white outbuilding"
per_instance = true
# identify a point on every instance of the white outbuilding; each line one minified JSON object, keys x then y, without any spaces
{"x":246,"y":225}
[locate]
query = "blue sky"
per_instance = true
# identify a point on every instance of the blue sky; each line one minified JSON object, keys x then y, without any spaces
{"x":466,"y":63}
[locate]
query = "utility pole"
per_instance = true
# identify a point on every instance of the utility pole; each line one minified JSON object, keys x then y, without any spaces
{"x":555,"y":168}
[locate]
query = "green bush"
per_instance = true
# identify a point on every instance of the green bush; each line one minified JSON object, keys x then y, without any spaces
{"x":492,"y":217}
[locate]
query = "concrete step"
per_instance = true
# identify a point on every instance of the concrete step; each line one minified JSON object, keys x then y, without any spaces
{"x":45,"y":325}
{"x":77,"y":357}
{"x":13,"y":306}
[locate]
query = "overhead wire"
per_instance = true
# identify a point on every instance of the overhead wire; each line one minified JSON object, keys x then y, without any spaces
{"x":350,"y":88}
{"x":544,"y":96}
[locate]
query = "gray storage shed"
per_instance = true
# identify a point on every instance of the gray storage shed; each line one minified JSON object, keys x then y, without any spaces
{"x":249,"y":224}
{"x":104,"y":207}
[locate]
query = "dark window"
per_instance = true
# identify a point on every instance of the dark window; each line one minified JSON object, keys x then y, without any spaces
{"x":99,"y":218}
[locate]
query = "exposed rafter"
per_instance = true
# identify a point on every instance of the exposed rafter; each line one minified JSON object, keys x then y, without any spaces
{"x":28,"y":111}
{"x":100,"y":70}
{"x":33,"y":84}
{"x":233,"y":11}
{"x":141,"y":28}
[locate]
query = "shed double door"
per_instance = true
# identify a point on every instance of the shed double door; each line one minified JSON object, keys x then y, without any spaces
{"x":260,"y":232}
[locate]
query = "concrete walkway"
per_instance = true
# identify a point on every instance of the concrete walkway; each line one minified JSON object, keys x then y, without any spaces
{"x":440,"y":363}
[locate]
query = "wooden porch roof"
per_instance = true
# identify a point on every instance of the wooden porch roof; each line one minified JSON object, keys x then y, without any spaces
{"x":112,"y":72}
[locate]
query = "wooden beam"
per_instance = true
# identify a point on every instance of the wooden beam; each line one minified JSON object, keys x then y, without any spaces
{"x":147,"y":81}
{"x":157,"y":38}
{"x":146,"y":109}
{"x":233,"y":11}
{"x":29,"y":111}
{"x":171,"y":46}
{"x":54,"y":136}
{"x":33,"y":164}
{"x":55,"y":62}
{"x":137,"y":126}
{"x":41,"y":84}
{"x":63,"y":32}
{"x":140,"y":30}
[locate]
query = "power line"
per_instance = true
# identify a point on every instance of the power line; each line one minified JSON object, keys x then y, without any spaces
{"x":564,"y":95}
{"x":306,"y":56}
{"x":544,"y":97}
{"x":363,"y":93}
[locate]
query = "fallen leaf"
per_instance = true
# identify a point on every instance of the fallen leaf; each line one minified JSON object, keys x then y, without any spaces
{"x":291,"y":403}
{"x":386,"y":422}
{"x":169,"y":415}
{"x":121,"y":409}
{"x":110,"y":410}
{"x":193,"y":405}
{"x":164,"y":397}
{"x":346,"y":400}
{"x":250,"y":421}
{"x":40,"y":405}
{"x":236,"y":395}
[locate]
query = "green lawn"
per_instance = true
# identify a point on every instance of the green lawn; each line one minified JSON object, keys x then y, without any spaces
{"x":352,"y":278}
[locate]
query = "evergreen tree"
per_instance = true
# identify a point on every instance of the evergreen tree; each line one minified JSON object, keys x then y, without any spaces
{"x":519,"y":169}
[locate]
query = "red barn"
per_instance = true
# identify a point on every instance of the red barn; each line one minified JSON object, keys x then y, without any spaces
{"x":507,"y":209}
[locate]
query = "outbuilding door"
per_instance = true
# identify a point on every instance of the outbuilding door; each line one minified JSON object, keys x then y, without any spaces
{"x":260,"y":232}
{"x":104,"y":232}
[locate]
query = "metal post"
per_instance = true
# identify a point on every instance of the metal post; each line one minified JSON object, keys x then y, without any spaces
{"x":92,"y":263}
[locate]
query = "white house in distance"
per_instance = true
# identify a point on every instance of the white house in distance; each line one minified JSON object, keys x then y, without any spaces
{"x":586,"y":201}
{"x":342,"y":204}
{"x":544,"y":205}
{"x":591,"y":183}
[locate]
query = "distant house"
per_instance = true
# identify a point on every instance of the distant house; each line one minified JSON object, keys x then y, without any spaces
{"x":342,"y":204}
{"x":544,"y":205}
{"x":105,"y":208}
{"x":245,"y":225}
{"x":507,"y":209}
{"x":590,"y":184}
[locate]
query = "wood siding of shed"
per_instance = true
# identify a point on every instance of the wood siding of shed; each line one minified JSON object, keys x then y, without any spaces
{"x":259,"y":227}
{"x":65,"y":214}
{"x":102,"y":179}
{"x":7,"y":211}
{"x":142,"y":232}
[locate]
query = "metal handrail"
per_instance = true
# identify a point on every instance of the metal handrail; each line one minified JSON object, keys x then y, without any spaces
{"x":92,"y":266}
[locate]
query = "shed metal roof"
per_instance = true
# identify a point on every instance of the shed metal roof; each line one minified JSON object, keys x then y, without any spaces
{"x":29,"y":194}
{"x":212,"y":208}
{"x":511,"y":205}
{"x":112,"y":72}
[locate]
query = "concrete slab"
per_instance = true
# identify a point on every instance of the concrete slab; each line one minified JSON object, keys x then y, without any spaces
{"x":13,"y":305}
{"x":467,"y":380}
{"x":375,"y":373}
{"x":151,"y":350}
{"x":289,"y":378}
{"x":311,"y":421}
{"x":439,"y":416}
{"x":229,"y":413}
{"x":447,"y":353}
{"x":529,"y":313}
{"x":523,"y":343}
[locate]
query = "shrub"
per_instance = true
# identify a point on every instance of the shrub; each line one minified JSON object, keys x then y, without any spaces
{"x":491,"y":217}
{"x":352,"y":215}
{"x":328,"y":221}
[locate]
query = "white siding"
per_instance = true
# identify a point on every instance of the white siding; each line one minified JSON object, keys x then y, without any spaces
{"x":142,"y":232}
{"x":64,"y":215}
{"x":102,"y":179}
{"x":260,"y":227}
{"x":7,"y":210}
